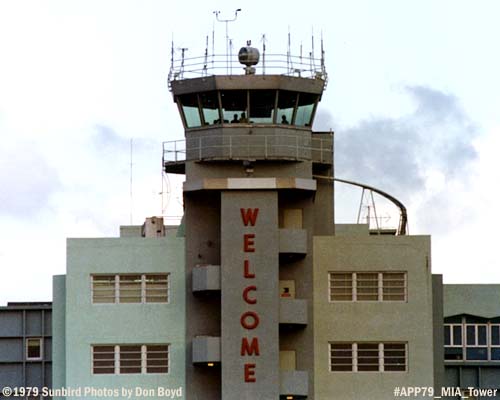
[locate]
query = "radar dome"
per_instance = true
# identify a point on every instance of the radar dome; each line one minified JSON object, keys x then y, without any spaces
{"x":248,"y":55}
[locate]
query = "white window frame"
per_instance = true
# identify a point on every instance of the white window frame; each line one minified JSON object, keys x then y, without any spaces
{"x":463,"y":326}
{"x":40,"y":341}
{"x":144,"y":364}
{"x":452,"y":336}
{"x":143,"y":288}
{"x":380,"y":286}
{"x":355,"y":361}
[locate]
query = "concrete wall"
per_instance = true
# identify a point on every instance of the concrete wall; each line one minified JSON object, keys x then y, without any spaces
{"x":87,"y":324}
{"x":59,"y":331}
{"x":481,"y":300}
{"x":409,"y":321}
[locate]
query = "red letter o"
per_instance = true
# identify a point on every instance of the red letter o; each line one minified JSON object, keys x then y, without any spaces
{"x":245,"y":324}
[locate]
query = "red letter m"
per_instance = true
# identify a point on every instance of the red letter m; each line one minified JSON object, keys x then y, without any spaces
{"x":250,"y":349}
{"x":249,"y":215}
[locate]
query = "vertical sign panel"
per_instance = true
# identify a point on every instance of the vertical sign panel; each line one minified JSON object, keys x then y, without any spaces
{"x":250,"y":295}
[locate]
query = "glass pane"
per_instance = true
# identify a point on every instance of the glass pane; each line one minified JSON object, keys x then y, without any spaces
{"x":305,"y":109}
{"x":34,"y":348}
{"x":286,"y":105}
{"x":234,"y":106}
{"x":130,"y":288}
{"x":130,"y":359}
{"x":262,"y":106}
{"x":341,"y":357}
{"x":394,"y":286}
{"x":103,"y":288}
{"x":495,"y":353}
{"x":210,"y":107}
{"x":481,"y":335}
{"x":447,"y":335}
{"x":190,"y":109}
{"x":477,"y":353}
{"x":341,"y":287}
{"x":103,"y":359}
{"x":367,"y":286}
{"x":157,"y":288}
{"x":451,"y":353}
{"x":457,"y":335}
{"x":368,"y":358}
{"x":471,"y":334}
{"x":157,"y":359}
{"x":495,"y":334}
{"x":394,"y":357}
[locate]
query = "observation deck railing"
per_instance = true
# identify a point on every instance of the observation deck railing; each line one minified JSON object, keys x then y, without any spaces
{"x":244,"y":147}
{"x":270,"y":64}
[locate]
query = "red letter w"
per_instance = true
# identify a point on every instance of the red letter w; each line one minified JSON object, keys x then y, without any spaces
{"x":249,"y":215}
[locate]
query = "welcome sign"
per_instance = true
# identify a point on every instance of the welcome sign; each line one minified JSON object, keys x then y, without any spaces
{"x":250,"y":295}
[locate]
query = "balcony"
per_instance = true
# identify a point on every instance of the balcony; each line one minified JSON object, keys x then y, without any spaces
{"x":206,"y":278}
{"x":293,"y":312}
{"x":206,"y":349}
{"x":294,"y":383}
{"x":235,"y":143}
{"x":293,"y":241}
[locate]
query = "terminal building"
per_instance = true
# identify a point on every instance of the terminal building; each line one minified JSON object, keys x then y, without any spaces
{"x":25,"y":347}
{"x":258,"y":294}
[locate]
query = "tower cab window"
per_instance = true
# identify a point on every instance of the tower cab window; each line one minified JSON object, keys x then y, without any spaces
{"x":234,"y":106}
{"x":190,"y":109}
{"x":286,"y":105}
{"x":262,"y":103}
{"x":280,"y":107}
{"x":305,"y":108}
{"x":209,"y":102}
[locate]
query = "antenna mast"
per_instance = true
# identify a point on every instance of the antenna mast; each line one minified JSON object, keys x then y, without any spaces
{"x":227,"y":34}
{"x":131,"y":181}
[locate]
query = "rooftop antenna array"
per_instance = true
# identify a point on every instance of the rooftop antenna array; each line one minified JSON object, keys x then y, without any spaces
{"x":226,"y":21}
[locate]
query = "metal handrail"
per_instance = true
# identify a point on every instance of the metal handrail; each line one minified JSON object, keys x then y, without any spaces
{"x":220,"y":64}
{"x":239,"y":146}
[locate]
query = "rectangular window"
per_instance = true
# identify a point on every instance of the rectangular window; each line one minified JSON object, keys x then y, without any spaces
{"x":125,"y":288}
{"x":156,"y":287}
{"x":103,"y":289}
{"x":472,"y":341}
{"x":368,"y":357}
{"x":130,"y":288}
{"x":103,"y":359}
{"x":157,"y":359}
{"x":368,"y":286}
{"x":34,"y":350}
{"x":130,"y":359}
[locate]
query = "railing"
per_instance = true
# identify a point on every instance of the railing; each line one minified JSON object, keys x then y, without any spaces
{"x":271,"y":64}
{"x":238,"y":147}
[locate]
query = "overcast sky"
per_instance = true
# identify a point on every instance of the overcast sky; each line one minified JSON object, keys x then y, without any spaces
{"x":413,"y":98}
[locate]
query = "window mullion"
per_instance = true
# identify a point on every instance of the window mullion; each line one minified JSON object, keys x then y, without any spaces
{"x":381,"y":357}
{"x":117,"y":289}
{"x":380,"y":286}
{"x":354,"y":287}
{"x":143,"y":359}
{"x":355,"y":357}
{"x":117,"y":359}
{"x":143,"y":288}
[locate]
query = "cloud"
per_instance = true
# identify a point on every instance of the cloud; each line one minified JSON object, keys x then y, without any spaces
{"x":27,"y":180}
{"x":423,"y":158}
{"x":399,"y":154}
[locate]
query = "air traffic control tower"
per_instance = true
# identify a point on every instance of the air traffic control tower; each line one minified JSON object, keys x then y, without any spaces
{"x":252,"y":206}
